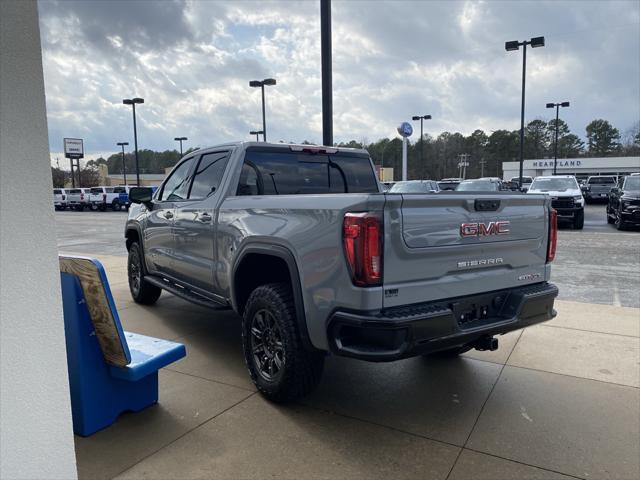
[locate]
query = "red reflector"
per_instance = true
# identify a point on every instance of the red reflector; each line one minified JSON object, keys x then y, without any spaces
{"x":362,"y":239}
{"x":553,"y":235}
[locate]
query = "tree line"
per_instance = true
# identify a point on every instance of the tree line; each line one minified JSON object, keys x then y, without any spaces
{"x":441,"y":154}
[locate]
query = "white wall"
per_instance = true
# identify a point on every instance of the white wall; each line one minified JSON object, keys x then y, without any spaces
{"x":36,"y":439}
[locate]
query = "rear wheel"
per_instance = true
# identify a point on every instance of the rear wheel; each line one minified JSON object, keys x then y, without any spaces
{"x":280,"y":366}
{"x":141,"y":291}
{"x":115,"y":205}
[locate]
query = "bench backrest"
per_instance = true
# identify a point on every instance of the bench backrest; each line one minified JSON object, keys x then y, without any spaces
{"x":101,"y":307}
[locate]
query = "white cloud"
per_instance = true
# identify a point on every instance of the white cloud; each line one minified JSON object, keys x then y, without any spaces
{"x":192,"y":62}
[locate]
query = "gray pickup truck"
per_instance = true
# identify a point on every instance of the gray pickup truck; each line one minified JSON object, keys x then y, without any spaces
{"x":303,"y":244}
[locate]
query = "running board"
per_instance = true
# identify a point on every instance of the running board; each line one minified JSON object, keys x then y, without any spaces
{"x":185,"y":293}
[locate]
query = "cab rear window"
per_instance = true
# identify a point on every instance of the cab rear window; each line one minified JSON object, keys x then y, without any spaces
{"x":282,"y":172}
{"x":602,"y":181}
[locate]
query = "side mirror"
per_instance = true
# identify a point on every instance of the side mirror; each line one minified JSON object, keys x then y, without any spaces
{"x":140,"y":195}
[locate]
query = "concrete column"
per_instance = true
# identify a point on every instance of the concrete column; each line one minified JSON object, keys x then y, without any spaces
{"x":36,"y":439}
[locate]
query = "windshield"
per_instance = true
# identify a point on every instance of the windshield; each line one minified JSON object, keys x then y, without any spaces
{"x":412,"y":187}
{"x":524,"y":179}
{"x":602,"y":181}
{"x":478,"y":186}
{"x":631,"y":183}
{"x":554,"y":184}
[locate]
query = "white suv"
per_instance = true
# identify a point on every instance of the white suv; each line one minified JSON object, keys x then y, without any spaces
{"x":59,"y":199}
{"x":103,"y":197}
{"x":78,"y":198}
{"x":566,"y":197}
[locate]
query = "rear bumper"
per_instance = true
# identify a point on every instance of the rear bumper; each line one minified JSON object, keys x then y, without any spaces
{"x":403,"y":332}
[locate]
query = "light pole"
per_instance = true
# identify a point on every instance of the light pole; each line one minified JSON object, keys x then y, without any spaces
{"x":513,"y":45}
{"x":256,"y":133}
{"x":133,"y":102}
{"x":124,"y":165}
{"x":422,"y":118}
{"x":181,"y":139}
{"x":555,"y":145}
{"x":261,"y":84}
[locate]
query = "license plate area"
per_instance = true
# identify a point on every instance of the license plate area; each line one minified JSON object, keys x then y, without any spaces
{"x":480,"y":310}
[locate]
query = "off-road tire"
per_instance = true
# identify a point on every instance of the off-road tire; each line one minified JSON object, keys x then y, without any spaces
{"x":115,"y":205}
{"x":578,"y":220}
{"x":141,"y":291}
{"x":301,"y":368}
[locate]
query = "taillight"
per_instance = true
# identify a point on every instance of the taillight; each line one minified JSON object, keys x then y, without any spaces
{"x":64,"y":197}
{"x":104,"y":197}
{"x":553,"y":235}
{"x":362,"y":239}
{"x":82,"y":196}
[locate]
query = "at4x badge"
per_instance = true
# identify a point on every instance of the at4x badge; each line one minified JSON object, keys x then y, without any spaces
{"x":480,"y":229}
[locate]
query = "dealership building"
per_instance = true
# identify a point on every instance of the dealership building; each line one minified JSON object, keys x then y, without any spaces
{"x":580,"y":167}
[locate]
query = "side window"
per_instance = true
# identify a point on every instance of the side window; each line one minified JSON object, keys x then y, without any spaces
{"x":248,"y":184}
{"x":177,"y":185}
{"x":208,"y":174}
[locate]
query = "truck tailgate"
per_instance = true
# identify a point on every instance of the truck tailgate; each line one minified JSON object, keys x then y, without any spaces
{"x":450,"y":245}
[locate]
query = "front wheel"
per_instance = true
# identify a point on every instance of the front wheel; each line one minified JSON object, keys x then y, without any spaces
{"x":141,"y":291}
{"x":578,"y":220}
{"x":619,"y":223}
{"x":280,"y":366}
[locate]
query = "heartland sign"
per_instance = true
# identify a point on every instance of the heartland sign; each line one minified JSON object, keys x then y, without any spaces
{"x":561,"y":163}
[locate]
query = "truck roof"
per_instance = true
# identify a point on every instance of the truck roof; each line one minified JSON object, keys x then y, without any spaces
{"x":301,"y":146}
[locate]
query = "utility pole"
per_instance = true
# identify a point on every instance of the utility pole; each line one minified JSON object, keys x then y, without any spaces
{"x":482,"y":163}
{"x":327,"y":72}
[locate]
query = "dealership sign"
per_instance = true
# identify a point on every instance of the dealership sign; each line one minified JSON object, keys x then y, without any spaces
{"x":73,"y":148}
{"x":561,"y":163}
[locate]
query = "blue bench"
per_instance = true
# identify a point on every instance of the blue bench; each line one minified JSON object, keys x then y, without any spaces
{"x":110,"y":371}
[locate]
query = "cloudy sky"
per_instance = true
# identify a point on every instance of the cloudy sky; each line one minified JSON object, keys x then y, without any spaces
{"x":192,"y":60}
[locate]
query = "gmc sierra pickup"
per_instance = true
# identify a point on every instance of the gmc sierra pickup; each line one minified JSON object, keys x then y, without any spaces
{"x":303,"y":244}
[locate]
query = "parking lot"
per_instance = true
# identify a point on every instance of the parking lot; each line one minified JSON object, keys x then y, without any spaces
{"x":559,"y":400}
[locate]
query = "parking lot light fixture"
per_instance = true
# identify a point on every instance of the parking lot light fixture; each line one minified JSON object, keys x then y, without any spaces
{"x":261,"y":84}
{"x":422,"y":118}
{"x":256,"y":133}
{"x":555,"y":146}
{"x":124,"y":165}
{"x":133,"y":102}
{"x":181,"y":139}
{"x":511,"y":46}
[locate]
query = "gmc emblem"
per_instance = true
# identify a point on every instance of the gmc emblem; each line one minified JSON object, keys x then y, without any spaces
{"x":479,"y":229}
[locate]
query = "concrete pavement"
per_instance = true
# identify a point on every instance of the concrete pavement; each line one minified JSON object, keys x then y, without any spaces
{"x":560,"y":400}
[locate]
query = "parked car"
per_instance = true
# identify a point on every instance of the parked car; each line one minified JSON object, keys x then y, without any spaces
{"x":78,"y":198}
{"x":415,"y":186}
{"x":302,"y":243}
{"x":102,"y":198}
{"x":566,"y":197}
{"x":526,"y":182}
{"x":597,"y":188}
{"x":123,"y":196}
{"x":59,"y":199}
{"x":449,"y":183}
{"x":481,"y":185}
{"x":623,"y":208}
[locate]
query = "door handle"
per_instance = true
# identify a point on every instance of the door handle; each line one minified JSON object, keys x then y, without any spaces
{"x":204,"y":217}
{"x":168,"y":215}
